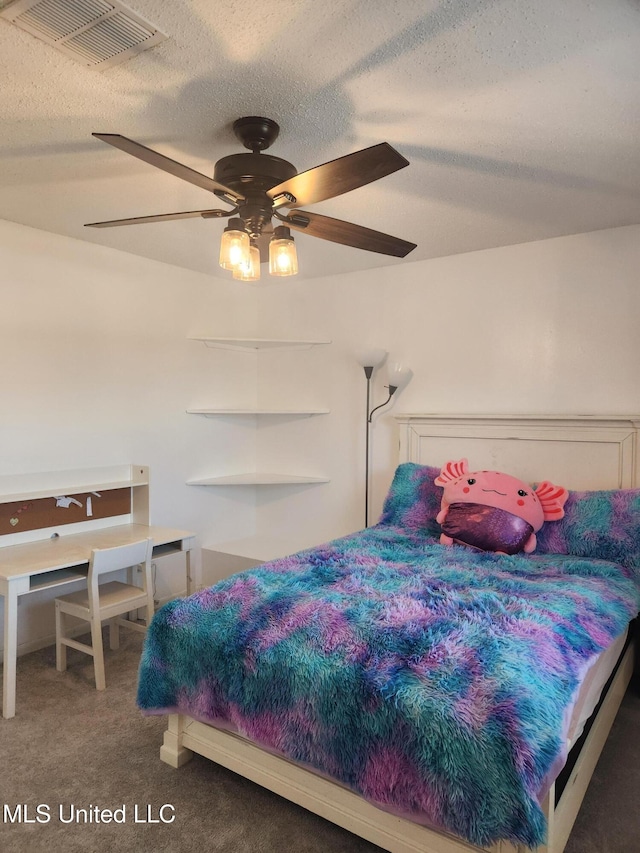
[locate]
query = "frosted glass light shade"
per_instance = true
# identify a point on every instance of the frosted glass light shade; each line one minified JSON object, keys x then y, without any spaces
{"x":234,"y":245}
{"x":283,"y":258}
{"x":251,"y":270}
{"x":370,"y":357}
{"x":398,"y":374}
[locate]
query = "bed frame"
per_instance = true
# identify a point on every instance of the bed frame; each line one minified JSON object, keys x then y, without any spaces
{"x":575,"y":451}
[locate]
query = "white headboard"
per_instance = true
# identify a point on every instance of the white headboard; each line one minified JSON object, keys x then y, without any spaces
{"x":578,"y":452}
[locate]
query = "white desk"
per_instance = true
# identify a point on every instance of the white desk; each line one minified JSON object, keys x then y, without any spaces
{"x":46,"y":563}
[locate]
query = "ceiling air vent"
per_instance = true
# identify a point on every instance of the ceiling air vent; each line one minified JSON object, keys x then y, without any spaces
{"x":97,"y":33}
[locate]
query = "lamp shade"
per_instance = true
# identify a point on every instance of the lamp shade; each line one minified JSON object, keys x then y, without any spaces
{"x":251,"y":270}
{"x":398,"y":374}
{"x":283,"y":259}
{"x":370,"y":357}
{"x":234,"y":245}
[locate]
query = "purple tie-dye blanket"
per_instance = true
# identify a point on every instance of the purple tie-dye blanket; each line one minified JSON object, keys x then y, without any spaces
{"x":432,"y":680}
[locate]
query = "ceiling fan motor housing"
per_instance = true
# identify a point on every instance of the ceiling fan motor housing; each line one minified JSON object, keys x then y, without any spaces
{"x":252,"y":172}
{"x":252,"y":175}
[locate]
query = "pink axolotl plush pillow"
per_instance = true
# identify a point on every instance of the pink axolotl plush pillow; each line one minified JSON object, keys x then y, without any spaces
{"x":493,"y":511}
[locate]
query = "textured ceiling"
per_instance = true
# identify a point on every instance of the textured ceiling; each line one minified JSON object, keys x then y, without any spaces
{"x":521,"y":121}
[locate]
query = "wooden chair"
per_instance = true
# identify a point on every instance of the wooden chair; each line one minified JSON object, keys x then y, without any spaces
{"x":99,"y":602}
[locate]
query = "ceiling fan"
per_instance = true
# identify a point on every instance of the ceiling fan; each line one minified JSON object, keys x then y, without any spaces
{"x":260,"y":187}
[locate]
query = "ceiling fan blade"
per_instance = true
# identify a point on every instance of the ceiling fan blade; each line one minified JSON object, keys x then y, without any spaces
{"x":159,"y":217}
{"x":348,"y":234}
{"x":340,"y":176}
{"x":167,"y":164}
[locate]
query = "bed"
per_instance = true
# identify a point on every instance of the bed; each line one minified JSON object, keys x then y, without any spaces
{"x":510,"y":780}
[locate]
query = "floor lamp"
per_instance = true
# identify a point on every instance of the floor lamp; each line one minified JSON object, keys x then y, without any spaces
{"x":399,"y":376}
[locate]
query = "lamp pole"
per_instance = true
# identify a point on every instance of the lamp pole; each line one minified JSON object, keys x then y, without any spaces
{"x":368,"y":371}
{"x":369,"y":359}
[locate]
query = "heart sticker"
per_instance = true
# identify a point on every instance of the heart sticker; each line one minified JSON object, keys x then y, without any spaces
{"x":13,"y":521}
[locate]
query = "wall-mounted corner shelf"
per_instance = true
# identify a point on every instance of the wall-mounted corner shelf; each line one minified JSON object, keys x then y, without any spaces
{"x":214,"y":412}
{"x":256,"y":479}
{"x":256,"y":343}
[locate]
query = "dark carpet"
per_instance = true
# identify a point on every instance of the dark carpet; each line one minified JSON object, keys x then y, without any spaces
{"x":72,"y":746}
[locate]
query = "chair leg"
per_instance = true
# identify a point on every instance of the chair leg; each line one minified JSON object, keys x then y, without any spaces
{"x":114,"y":633}
{"x":61,"y":649}
{"x":98,"y":652}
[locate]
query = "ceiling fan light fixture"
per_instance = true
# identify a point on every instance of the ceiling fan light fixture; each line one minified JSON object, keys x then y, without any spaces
{"x":283,"y":259}
{"x":251,"y":270}
{"x":235,"y":245}
{"x":258,"y":185}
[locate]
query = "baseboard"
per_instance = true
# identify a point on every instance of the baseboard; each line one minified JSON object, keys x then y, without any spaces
{"x":50,"y":639}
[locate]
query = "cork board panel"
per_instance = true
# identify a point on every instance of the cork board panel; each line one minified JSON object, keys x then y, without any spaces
{"x":19,"y":516}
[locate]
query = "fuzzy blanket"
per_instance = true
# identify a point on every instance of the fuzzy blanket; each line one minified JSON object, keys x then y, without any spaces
{"x":432,"y":680}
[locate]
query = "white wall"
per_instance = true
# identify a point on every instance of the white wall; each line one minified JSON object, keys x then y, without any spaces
{"x":96,"y":369}
{"x":546,"y":327}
